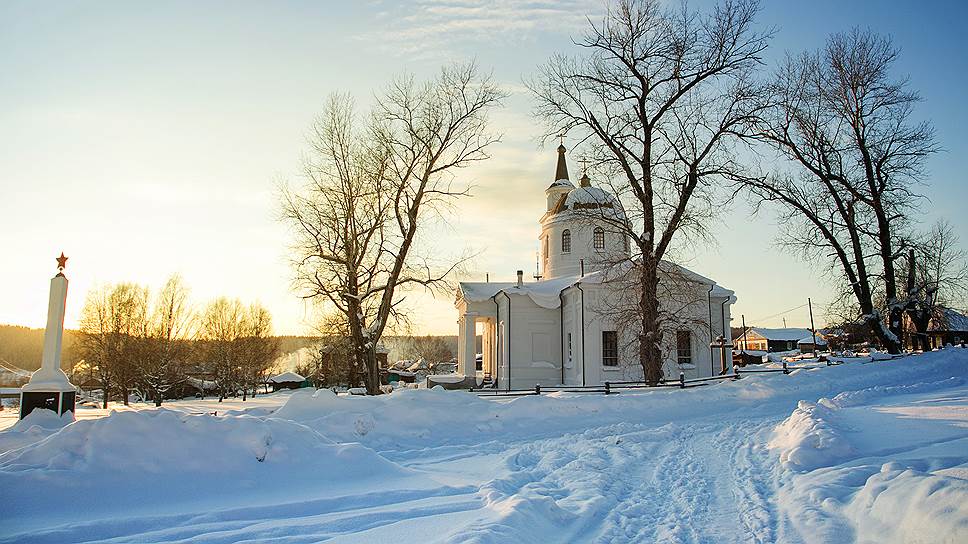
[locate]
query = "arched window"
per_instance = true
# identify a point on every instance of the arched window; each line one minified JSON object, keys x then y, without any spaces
{"x":598,"y":238}
{"x":566,"y":241}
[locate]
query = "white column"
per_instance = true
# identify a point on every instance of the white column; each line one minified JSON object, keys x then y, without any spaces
{"x":469,"y":344}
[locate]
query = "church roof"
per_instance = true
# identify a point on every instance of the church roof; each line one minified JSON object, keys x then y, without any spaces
{"x":545,"y":293}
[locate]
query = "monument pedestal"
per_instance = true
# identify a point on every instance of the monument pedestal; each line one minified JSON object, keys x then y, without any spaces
{"x":52,"y":392}
{"x":49,"y":387}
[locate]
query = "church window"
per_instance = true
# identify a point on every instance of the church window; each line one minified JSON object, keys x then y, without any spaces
{"x":566,"y":241}
{"x":598,"y":238}
{"x":609,"y":348}
{"x":544,"y":247}
{"x":684,"y":347}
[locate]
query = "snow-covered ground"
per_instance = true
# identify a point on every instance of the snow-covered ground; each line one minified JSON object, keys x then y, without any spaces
{"x":860,"y":452}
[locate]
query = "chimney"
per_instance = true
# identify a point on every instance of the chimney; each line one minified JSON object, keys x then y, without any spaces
{"x":520,"y":278}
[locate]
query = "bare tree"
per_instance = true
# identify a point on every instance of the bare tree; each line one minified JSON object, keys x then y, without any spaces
{"x":372,"y":185}
{"x":168,"y":341}
{"x":259,"y":348}
{"x":844,"y":123}
{"x":657,"y":99}
{"x":113,"y":324}
{"x":221,"y":326}
{"x":937,"y":278}
{"x":433,"y":349}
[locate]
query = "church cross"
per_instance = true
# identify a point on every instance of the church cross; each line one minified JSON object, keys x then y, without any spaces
{"x":561,"y":138}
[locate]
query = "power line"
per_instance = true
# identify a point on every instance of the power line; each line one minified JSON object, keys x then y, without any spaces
{"x":778,"y":314}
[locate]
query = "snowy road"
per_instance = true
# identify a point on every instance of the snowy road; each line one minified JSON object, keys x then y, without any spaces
{"x":706,"y":465}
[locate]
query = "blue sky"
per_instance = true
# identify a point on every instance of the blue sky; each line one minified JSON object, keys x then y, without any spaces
{"x":147,"y":138}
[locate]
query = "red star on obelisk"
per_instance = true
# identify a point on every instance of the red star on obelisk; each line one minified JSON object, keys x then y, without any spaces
{"x":61,"y":261}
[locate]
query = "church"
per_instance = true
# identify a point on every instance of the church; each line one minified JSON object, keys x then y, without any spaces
{"x":575,"y":324}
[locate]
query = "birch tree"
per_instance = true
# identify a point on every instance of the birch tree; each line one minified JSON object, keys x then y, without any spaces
{"x":372,"y":183}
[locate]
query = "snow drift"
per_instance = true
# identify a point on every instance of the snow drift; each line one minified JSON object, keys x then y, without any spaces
{"x":154,"y":460}
{"x":811,"y":437}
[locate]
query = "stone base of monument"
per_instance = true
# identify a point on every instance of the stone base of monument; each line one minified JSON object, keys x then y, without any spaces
{"x":58,"y":402}
{"x":50,"y":389}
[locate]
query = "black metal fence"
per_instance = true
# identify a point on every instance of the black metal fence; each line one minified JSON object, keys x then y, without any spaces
{"x":614,"y":388}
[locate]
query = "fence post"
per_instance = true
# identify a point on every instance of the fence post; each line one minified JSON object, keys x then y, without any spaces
{"x":607,"y":388}
{"x":785,"y":369}
{"x":537,"y":389}
{"x":682,"y":380}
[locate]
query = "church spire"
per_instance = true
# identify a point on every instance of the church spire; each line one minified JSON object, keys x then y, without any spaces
{"x":561,"y":172}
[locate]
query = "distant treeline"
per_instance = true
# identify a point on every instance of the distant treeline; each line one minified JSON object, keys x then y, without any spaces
{"x":23,"y":347}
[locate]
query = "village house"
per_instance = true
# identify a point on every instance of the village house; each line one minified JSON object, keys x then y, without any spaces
{"x":948,"y":326}
{"x":568,"y":327}
{"x":779,"y":340}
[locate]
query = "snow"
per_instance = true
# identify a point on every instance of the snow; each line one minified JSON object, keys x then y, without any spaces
{"x":811,"y":339}
{"x":860,"y":452}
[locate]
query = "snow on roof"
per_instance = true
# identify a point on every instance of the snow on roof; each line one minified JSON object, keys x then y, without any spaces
{"x":590,"y":200}
{"x":953,"y":321}
{"x":809,"y":340}
{"x":286,"y":377}
{"x":545,"y":293}
{"x":790,"y":334}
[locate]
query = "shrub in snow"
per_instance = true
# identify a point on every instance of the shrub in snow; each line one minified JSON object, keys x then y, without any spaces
{"x":811,"y":437}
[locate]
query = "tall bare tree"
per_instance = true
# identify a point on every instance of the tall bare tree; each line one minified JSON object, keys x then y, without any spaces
{"x":844,"y":122}
{"x":657,"y":97}
{"x":370,"y":187}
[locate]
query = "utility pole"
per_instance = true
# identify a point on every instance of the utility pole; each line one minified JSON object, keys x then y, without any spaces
{"x":784,"y":321}
{"x":745,"y":345}
{"x":813,"y":330}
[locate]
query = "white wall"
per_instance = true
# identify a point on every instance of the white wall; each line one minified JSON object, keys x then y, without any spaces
{"x":560,"y":264}
{"x":533,"y":345}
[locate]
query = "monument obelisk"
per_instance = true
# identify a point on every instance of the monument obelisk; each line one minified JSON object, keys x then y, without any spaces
{"x":49,"y":387}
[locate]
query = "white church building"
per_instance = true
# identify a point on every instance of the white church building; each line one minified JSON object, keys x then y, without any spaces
{"x":567,"y":328}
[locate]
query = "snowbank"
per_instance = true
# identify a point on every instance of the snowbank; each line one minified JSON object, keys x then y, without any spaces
{"x":899,"y":504}
{"x":38,"y":424}
{"x":811,"y":437}
{"x":160,"y":460}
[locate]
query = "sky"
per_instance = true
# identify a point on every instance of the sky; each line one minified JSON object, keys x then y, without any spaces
{"x":145,"y":139}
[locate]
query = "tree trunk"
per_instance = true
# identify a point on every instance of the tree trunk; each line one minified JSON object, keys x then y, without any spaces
{"x":372,"y":376}
{"x":650,"y":355}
